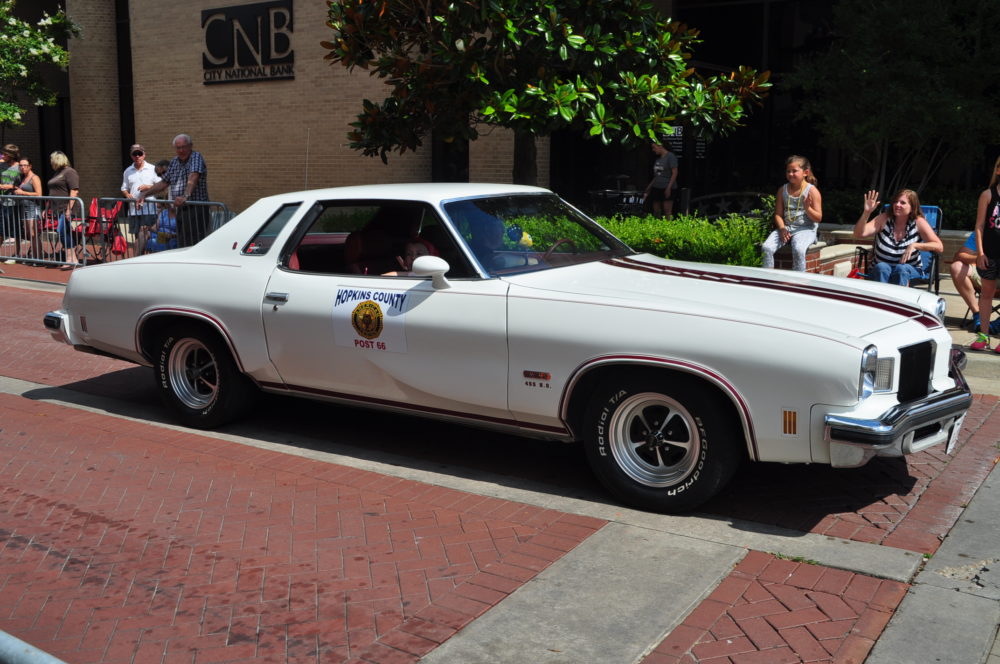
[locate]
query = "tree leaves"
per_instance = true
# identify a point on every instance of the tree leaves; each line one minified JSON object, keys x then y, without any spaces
{"x":615,"y":70}
{"x":25,"y":51}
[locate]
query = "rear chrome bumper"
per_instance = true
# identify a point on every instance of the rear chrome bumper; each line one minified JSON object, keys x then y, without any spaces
{"x":903,"y":429}
{"x":57,"y":324}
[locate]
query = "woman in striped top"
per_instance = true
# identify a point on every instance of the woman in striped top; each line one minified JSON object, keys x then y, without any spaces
{"x":900,"y":234}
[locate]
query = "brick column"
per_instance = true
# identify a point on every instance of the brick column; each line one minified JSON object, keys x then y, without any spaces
{"x":93,"y":83}
{"x":783,"y":257}
{"x":491,"y":157}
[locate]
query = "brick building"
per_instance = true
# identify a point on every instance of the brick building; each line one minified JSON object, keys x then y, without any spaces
{"x":137,"y":73}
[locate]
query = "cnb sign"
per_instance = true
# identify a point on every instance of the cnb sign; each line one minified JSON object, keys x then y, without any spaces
{"x":248,"y":43}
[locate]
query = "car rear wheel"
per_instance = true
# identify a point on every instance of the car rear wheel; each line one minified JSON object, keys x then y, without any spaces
{"x":198,"y":379}
{"x":662,"y":445}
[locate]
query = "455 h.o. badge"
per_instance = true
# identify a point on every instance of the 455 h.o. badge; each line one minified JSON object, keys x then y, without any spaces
{"x":367,"y":319}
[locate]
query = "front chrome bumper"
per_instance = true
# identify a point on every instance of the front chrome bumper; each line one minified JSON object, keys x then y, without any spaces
{"x":903,"y":429}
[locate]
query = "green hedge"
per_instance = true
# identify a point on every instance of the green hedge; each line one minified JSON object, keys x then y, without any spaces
{"x":731,"y":240}
{"x":735,"y":239}
{"x":958,"y":207}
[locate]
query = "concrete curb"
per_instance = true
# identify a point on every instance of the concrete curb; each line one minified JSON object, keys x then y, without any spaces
{"x":15,"y":651}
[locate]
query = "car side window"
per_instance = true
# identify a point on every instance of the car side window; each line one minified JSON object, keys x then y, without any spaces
{"x":262,"y":242}
{"x":373,"y":238}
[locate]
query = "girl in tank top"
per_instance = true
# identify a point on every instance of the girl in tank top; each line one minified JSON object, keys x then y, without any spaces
{"x":798,"y":211}
{"x":29,"y":185}
{"x":987,"y":255}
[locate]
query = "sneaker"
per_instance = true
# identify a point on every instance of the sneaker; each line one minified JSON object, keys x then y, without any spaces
{"x":973,"y":325}
{"x":982,"y":342}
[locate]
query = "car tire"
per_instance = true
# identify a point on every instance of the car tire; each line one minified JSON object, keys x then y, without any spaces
{"x":663,"y":444}
{"x":198,"y":379}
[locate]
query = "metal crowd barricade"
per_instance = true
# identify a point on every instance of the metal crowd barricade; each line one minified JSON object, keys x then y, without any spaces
{"x":170,"y":227}
{"x":35,"y":229}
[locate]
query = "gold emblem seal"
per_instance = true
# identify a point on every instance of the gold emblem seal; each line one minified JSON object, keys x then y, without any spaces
{"x":367,"y":319}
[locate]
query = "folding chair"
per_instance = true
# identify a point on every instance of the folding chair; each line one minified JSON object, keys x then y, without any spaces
{"x":100,"y":229}
{"x":929,"y":260}
{"x":859,"y":266}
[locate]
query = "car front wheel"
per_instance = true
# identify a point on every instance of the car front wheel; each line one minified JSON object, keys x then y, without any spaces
{"x":198,"y":379}
{"x":663,"y":445}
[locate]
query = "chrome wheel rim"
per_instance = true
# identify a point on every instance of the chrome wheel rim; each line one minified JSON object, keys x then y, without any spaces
{"x":194,"y":374}
{"x":655,"y":440}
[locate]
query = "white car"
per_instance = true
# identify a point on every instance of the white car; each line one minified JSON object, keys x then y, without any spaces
{"x":525,"y":315}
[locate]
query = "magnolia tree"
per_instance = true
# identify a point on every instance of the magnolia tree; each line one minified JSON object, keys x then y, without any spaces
{"x":25,"y":50}
{"x":617,"y":70}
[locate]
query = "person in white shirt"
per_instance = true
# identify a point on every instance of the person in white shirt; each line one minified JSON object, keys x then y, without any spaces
{"x":138,"y":177}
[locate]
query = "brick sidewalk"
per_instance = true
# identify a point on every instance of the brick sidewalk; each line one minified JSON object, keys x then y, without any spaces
{"x":775,"y":611}
{"x":127,"y":542}
{"x":35,"y":273}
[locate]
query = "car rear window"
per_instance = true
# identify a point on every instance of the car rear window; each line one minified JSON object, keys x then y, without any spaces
{"x":262,"y":242}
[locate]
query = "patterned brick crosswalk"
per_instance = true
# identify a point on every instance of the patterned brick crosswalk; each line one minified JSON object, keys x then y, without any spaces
{"x":123,"y":542}
{"x":776,"y":611}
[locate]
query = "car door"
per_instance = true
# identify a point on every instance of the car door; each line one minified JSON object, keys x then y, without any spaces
{"x":386,"y":340}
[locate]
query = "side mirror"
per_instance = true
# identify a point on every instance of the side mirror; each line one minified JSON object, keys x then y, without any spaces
{"x":433,"y":267}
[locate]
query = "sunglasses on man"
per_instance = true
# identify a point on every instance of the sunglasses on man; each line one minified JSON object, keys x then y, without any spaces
{"x":137,"y":153}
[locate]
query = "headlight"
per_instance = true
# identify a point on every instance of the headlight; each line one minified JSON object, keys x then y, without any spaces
{"x":940,"y":308}
{"x":876,"y":373}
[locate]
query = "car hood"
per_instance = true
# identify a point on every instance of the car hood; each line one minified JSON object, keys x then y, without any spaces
{"x":810,"y":303}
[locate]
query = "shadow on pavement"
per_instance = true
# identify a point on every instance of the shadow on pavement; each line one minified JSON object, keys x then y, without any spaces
{"x":801,"y":497}
{"x":793,"y":496}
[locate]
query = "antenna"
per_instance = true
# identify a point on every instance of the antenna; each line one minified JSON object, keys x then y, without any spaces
{"x":306,"y":185}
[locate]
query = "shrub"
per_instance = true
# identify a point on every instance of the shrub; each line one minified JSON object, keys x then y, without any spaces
{"x":957,"y":206}
{"x":730,"y":240}
{"x":841,"y":206}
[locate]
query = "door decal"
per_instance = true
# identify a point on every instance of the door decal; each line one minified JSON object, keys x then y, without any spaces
{"x":370,"y":320}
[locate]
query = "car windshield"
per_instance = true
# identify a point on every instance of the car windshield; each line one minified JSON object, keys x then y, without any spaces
{"x":528,"y":232}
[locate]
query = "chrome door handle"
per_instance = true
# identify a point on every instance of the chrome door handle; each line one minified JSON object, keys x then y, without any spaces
{"x":280,"y":298}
